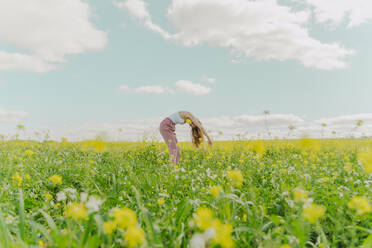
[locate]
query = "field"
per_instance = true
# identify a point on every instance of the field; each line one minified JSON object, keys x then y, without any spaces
{"x":300,"y":193}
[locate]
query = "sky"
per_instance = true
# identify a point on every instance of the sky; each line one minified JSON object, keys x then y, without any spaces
{"x":80,"y":69}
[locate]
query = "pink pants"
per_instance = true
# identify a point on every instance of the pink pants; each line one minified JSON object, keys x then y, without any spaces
{"x":167,"y":129}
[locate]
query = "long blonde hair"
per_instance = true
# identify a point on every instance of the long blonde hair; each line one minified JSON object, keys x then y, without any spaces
{"x":197,"y":136}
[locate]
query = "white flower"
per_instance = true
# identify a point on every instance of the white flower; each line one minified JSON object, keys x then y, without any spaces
{"x":209,"y":234}
{"x":71,"y":193}
{"x":93,"y":204}
{"x":9,"y":219}
{"x":61,"y":196}
{"x":197,"y":241}
{"x":83,"y":197}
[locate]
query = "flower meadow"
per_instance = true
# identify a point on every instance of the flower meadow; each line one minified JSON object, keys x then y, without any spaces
{"x":244,"y":193}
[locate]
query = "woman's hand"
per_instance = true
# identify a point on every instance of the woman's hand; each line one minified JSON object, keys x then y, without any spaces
{"x":210,"y":142}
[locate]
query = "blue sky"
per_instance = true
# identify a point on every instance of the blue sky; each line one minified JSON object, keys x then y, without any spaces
{"x":118,"y":44}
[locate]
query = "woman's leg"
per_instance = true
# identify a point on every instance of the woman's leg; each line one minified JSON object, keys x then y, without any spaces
{"x":167,"y":132}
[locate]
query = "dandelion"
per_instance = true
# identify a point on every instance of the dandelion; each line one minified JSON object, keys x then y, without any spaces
{"x":285,"y":246}
{"x":204,"y":218}
{"x":313,"y":212}
{"x":55,"y":179}
{"x":124,"y":217}
{"x":17,"y":179}
{"x":215,"y":191}
{"x":29,"y":153}
{"x":236,"y":178}
{"x":161,"y":201}
{"x":77,"y":211}
{"x":48,"y":196}
{"x":360,"y":204}
{"x":299,"y":195}
{"x":223,"y":234}
{"x":188,"y":121}
{"x":109,"y":227}
{"x":134,"y":236}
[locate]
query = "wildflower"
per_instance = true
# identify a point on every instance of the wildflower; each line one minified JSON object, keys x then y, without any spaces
{"x":17,"y":179}
{"x":55,"y":179}
{"x":215,"y":191}
{"x":93,"y":204}
{"x":285,"y":246}
{"x":236,"y":178}
{"x":124,"y":217}
{"x":134,"y":236}
{"x":360,"y":204}
{"x":365,"y":157}
{"x":313,"y":212}
{"x":299,"y":195}
{"x":222,"y":234}
{"x":48,"y":196}
{"x":188,"y":121}
{"x":61,"y":196}
{"x":203,"y":218}
{"x":161,"y":201}
{"x":197,"y":241}
{"x":77,"y":211}
{"x":29,"y":153}
{"x":109,"y":227}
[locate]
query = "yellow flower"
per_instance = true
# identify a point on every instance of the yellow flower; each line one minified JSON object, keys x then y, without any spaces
{"x":134,"y":236}
{"x":77,"y":211}
{"x":55,"y":179}
{"x":215,"y":191}
{"x":313,"y":212}
{"x":17,"y":179}
{"x":161,"y":201}
{"x":124,"y":217}
{"x":285,"y":246}
{"x":188,"y":121}
{"x":204,"y":218}
{"x":236,"y":178}
{"x":223,"y":234}
{"x":109,"y":227}
{"x":299,"y":195}
{"x":48,"y":196}
{"x":365,"y":157}
{"x":360,"y":204}
{"x":29,"y":153}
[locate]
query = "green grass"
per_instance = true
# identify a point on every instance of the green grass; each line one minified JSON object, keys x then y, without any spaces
{"x":262,"y":211}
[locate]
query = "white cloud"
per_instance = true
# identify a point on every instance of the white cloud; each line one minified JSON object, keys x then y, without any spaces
{"x":192,"y":88}
{"x":125,"y":88}
{"x":45,"y":32}
{"x":10,"y":116}
{"x":153,"y":89}
{"x":260,"y":29}
{"x":357,"y":12}
{"x":347,"y":120}
{"x":220,"y":127}
{"x":149,"y":89}
{"x":208,"y":79}
{"x":23,"y":62}
{"x":138,"y":9}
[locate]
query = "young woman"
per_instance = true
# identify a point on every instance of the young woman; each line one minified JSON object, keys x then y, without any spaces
{"x":167,"y":129}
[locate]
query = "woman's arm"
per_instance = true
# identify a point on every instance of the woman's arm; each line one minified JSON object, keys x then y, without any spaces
{"x":187,"y":115}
